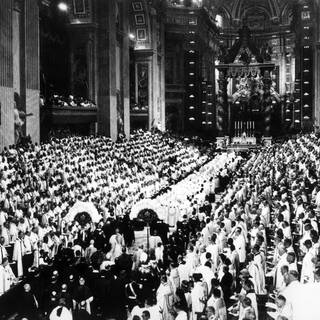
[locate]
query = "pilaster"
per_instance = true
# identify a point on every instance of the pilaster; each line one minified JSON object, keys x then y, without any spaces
{"x":107,"y":99}
{"x":126,"y":69}
{"x":316,"y":88}
{"x":222,"y":112}
{"x":32,"y":63}
{"x":6,"y":75}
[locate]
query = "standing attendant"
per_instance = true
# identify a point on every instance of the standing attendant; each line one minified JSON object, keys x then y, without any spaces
{"x":18,"y":253}
{"x":7,"y":277}
{"x":3,"y":251}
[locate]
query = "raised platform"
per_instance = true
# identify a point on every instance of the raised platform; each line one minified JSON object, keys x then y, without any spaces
{"x":242,"y":147}
{"x":68,"y":115}
{"x":244,"y":141}
{"x":238,"y":144}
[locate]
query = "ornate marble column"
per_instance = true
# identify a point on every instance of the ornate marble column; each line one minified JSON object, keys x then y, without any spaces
{"x":222,"y":110}
{"x":316,"y":88}
{"x":267,"y":100}
{"x":317,"y":84}
{"x":32,"y":69}
{"x":148,"y":28}
{"x":6,"y":75}
{"x":113,"y":68}
{"x":126,"y":69}
{"x":107,"y":43}
{"x":19,"y":64}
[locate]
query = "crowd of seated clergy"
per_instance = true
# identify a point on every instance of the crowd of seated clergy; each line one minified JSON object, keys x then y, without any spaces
{"x":135,"y":107}
{"x":49,"y":251}
{"x":39,"y":183}
{"x":185,"y":3}
{"x":67,"y":101}
{"x":249,"y":235}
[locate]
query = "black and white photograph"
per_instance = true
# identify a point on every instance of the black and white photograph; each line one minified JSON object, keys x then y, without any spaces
{"x":159,"y":159}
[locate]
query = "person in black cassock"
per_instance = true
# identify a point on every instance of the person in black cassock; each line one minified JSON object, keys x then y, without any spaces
{"x":68,"y":253}
{"x":28,"y":305}
{"x":118,"y":299}
{"x":54,"y":284}
{"x":71,"y":284}
{"x":82,"y":293}
{"x":226,"y":284}
{"x":99,"y":237}
{"x":124,"y":261}
{"x":93,"y":280}
{"x":82,"y":313}
{"x":127,"y":230}
{"x":63,"y":294}
{"x":194,"y":222}
{"x":52,"y":302}
{"x":108,"y":279}
{"x":132,"y":290}
{"x":108,"y":229}
{"x":38,"y":287}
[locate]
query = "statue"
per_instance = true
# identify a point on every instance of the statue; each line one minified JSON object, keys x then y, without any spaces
{"x":245,"y":56}
{"x":266,"y":52}
{"x":223,"y":54}
{"x":19,"y":120}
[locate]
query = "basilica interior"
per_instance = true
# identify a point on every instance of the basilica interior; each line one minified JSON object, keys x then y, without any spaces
{"x":202,"y":67}
{"x":159,"y":159}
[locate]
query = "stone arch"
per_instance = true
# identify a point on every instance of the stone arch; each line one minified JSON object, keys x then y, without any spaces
{"x":150,"y":206}
{"x":83,"y":211}
{"x":286,"y":14}
{"x":236,"y":9}
{"x":271,"y":7}
{"x":256,"y":18}
{"x":258,"y":9}
{"x":274,"y":8}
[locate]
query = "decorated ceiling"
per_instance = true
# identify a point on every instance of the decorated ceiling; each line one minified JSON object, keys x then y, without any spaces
{"x":256,"y":14}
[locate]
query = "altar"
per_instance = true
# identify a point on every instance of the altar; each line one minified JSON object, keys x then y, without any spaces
{"x":244,"y":140}
{"x":247,"y":91}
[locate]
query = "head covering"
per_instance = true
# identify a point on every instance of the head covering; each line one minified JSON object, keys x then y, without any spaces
{"x":245,"y":273}
{"x":55,"y":274}
{"x":197,"y":276}
{"x":317,"y":272}
{"x":185,"y":284}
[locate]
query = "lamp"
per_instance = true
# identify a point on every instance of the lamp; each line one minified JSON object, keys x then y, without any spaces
{"x":62,"y":6}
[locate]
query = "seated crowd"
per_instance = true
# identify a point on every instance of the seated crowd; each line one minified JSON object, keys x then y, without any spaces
{"x":70,"y":101}
{"x":44,"y":181}
{"x":248,"y":233}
